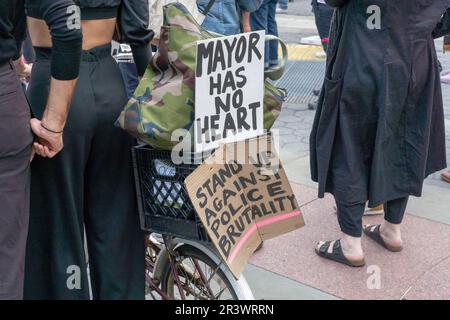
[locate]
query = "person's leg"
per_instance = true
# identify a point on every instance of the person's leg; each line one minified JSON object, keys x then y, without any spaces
{"x":348,"y":248}
{"x":115,"y":241}
{"x":395,"y":210}
{"x":130,"y":77}
{"x":390,"y":228}
{"x":283,"y":4}
{"x":350,"y":222}
{"x":272,"y":28}
{"x":15,"y":152}
{"x":55,"y":262}
{"x":350,"y":218}
{"x":258,"y":21}
{"x":323,"y":16}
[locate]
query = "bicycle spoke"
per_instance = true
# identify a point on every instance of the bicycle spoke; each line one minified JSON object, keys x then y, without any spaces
{"x":219,"y":294}
{"x":196,"y":283}
{"x":194,"y":278}
{"x":215,"y":271}
{"x":188,"y":281}
{"x":177,"y":280}
{"x":202,"y":276}
{"x":189,"y":278}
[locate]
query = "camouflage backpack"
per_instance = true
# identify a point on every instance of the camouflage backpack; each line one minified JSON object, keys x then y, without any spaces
{"x":164,"y":100}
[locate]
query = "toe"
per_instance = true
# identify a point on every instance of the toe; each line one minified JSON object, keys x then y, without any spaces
{"x":320,"y":244}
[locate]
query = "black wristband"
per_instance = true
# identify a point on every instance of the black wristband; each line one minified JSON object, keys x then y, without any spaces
{"x":50,"y":130}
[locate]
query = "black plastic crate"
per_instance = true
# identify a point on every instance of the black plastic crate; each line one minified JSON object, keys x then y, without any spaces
{"x":163,"y":201}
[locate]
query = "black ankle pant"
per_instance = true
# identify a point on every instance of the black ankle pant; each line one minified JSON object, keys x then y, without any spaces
{"x":350,"y":216}
{"x":88,"y":187}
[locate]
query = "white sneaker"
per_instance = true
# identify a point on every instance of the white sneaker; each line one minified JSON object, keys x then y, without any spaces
{"x":282,"y":11}
{"x":321,"y":55}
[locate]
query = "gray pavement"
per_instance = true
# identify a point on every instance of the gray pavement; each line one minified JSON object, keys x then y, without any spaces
{"x":277,"y":287}
{"x":294,"y":27}
{"x":300,"y":8}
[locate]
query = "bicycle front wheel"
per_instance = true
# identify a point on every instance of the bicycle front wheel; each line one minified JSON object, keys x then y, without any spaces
{"x":193,"y":275}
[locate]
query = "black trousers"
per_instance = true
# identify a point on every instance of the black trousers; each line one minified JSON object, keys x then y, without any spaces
{"x":350,"y":216}
{"x":15,"y":152}
{"x":86,"y":189}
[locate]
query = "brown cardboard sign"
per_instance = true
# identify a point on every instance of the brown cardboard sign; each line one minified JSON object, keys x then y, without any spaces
{"x":242,"y":196}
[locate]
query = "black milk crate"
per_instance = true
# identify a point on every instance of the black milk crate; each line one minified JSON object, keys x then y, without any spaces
{"x":163,"y":202}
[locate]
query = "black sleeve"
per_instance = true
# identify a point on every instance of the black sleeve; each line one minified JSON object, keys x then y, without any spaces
{"x":134,"y":18}
{"x":63,"y":20}
{"x":20,"y":27}
{"x":443,"y":27}
{"x":336,"y":3}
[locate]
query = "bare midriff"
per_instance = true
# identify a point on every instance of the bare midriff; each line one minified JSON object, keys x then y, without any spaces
{"x":95,"y":32}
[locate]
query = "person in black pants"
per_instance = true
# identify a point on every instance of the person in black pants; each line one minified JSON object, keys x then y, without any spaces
{"x":93,"y":175}
{"x":123,"y":54}
{"x":376,"y":137}
{"x":16,"y":138}
{"x":323,"y":14}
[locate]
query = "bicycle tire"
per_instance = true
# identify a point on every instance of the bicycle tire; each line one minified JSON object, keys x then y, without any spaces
{"x":192,"y":252}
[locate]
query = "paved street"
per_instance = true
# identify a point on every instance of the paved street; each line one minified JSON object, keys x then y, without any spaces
{"x":421,"y":271}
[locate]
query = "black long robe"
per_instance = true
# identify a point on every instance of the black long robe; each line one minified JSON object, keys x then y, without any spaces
{"x":379,"y":127}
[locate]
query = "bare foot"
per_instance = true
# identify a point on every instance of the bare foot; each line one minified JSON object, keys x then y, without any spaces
{"x":351,"y":247}
{"x":391,"y":234}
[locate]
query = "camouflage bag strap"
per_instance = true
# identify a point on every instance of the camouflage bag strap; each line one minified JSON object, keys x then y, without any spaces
{"x":277,"y":72}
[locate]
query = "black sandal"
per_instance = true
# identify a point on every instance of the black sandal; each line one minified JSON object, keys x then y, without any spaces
{"x":373,"y":232}
{"x":337,"y":254}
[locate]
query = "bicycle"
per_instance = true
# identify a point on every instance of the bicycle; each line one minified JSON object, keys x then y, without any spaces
{"x":181,"y":262}
{"x":187,"y":270}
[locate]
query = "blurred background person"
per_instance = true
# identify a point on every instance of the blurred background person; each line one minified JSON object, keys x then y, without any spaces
{"x":228,"y":17}
{"x":264,"y":19}
{"x":283,"y":6}
{"x":123,"y":54}
{"x":446,"y":176}
{"x":323,"y":15}
{"x":442,"y":30}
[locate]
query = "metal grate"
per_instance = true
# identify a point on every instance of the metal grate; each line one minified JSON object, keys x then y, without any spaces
{"x":300,"y":79}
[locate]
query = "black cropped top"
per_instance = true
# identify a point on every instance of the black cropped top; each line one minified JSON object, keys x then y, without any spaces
{"x":87,"y":13}
{"x":66,"y":38}
{"x":133,"y":19}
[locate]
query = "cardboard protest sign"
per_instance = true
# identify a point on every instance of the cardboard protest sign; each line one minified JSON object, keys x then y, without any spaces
{"x":229,"y":90}
{"x":242,"y":196}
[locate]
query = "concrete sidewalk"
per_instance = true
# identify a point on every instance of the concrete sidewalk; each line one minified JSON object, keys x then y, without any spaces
{"x":293,"y":271}
{"x":288,"y":264}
